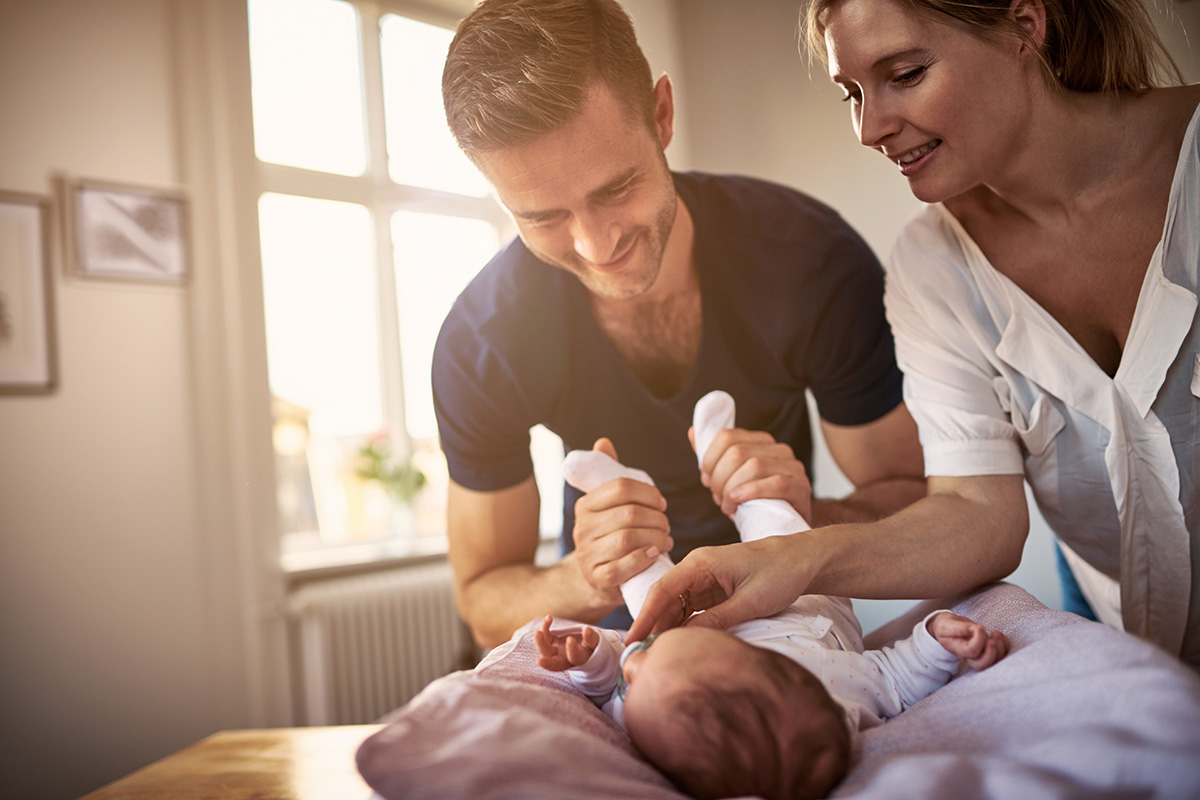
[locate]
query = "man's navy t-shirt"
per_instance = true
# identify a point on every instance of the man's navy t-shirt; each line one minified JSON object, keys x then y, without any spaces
{"x":792,"y":299}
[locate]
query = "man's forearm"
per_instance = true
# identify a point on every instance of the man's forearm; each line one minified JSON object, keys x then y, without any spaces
{"x":503,"y":599}
{"x":869,"y":503}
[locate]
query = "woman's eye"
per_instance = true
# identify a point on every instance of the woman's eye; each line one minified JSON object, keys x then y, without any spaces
{"x":911,"y":76}
{"x":852,"y":97}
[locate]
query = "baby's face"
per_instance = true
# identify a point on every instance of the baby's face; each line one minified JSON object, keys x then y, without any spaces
{"x":681,"y":655}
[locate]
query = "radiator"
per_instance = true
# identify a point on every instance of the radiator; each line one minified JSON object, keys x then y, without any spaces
{"x":364,"y":645}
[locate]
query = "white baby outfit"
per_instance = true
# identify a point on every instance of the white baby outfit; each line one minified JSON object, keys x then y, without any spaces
{"x":870,"y":686}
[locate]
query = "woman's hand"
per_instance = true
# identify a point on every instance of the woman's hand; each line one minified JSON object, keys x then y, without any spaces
{"x":729,"y":584}
{"x":743,"y":465}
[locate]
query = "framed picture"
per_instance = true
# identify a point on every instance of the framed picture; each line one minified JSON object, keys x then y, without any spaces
{"x":127,"y":232}
{"x":27,"y":363}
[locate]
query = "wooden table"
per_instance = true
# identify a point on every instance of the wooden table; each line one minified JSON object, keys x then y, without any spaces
{"x":269,"y":764}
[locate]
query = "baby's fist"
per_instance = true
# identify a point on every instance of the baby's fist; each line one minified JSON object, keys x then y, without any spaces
{"x":968,"y":640}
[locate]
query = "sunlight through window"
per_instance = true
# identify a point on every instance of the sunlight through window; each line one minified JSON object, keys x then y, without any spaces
{"x":307,"y":88}
{"x":354,"y":293}
{"x":421,"y":150}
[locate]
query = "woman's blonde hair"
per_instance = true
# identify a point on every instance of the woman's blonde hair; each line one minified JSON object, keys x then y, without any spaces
{"x":1089,"y":46}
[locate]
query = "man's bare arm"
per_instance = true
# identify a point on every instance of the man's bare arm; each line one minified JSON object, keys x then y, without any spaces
{"x":620,"y":528}
{"x":493,"y":540}
{"x":884,"y":462}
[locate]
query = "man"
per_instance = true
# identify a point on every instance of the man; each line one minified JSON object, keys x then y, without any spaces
{"x":630,"y":293}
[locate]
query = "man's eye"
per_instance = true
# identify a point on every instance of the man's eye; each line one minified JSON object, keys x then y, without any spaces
{"x":617,"y":193}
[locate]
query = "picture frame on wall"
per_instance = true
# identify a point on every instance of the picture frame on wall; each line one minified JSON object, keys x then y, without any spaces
{"x":27,"y":352}
{"x":125,"y":232}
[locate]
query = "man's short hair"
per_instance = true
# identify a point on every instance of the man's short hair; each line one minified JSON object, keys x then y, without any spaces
{"x":519,"y":69}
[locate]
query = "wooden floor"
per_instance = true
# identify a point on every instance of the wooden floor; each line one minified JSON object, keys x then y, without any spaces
{"x":268,"y":764}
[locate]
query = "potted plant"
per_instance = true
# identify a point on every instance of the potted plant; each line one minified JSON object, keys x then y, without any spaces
{"x":376,"y":462}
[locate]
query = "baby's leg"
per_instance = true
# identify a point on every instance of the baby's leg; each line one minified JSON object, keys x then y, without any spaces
{"x":755,"y":519}
{"x":760,"y":518}
{"x":589,"y":469}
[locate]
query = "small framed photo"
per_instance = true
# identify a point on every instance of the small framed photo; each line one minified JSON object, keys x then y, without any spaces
{"x":127,"y":232}
{"x":27,"y":355}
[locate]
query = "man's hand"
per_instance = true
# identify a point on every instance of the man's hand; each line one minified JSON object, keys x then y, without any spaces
{"x":743,"y":465}
{"x":620,"y":529}
{"x":561,"y":652}
{"x":968,"y":640}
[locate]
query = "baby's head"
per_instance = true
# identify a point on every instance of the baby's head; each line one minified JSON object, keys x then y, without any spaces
{"x":722,"y":718}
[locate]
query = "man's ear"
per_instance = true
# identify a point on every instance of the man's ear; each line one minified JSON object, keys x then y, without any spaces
{"x":664,"y":110}
{"x":1030,"y":16}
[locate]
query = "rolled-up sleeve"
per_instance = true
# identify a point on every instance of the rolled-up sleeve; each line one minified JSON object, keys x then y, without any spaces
{"x":945,"y":346}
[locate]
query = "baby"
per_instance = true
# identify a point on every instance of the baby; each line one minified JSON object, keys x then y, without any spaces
{"x":767,"y":707}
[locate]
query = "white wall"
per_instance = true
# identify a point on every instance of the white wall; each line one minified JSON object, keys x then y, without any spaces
{"x":116,"y":646}
{"x":660,"y":36}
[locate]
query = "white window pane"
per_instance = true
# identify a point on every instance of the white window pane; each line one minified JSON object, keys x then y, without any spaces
{"x":421,"y":150}
{"x":319,"y":290}
{"x":306,"y":82}
{"x":547,"y":450}
{"x":320,"y":304}
{"x":435,"y":258}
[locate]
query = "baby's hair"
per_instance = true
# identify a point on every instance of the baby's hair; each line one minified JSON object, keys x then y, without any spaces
{"x":745,"y":741}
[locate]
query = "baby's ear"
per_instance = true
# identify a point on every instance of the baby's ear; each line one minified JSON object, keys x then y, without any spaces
{"x":605,"y":445}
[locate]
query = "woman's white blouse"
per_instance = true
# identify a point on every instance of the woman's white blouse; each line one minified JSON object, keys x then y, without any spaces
{"x":998,"y":386}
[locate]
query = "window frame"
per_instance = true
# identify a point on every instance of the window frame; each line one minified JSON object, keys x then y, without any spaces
{"x":382,"y":197}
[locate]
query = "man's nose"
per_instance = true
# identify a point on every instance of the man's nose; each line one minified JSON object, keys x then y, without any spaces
{"x":595,"y":238}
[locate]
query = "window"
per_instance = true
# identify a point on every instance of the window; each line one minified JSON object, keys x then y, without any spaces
{"x":371,"y":222}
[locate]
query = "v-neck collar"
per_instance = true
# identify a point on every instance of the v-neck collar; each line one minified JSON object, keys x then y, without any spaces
{"x":700,"y":247}
{"x":1037,"y":345}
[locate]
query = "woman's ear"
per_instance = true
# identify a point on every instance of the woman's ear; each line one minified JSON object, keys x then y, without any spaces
{"x":1030,"y":16}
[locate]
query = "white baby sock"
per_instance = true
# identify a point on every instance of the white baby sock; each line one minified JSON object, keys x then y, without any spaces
{"x":589,"y":469}
{"x":755,"y":519}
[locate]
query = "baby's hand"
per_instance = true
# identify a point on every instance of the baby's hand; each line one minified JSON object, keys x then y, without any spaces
{"x":560,"y":652}
{"x":968,"y":640}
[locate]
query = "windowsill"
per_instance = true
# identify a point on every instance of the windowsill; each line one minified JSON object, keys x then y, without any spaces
{"x":367,"y":556}
{"x":378,"y":554}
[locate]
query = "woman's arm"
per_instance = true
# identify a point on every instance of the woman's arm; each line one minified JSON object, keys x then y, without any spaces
{"x":966,"y":532}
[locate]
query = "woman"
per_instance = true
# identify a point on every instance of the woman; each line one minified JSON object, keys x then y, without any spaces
{"x":1044,"y":309}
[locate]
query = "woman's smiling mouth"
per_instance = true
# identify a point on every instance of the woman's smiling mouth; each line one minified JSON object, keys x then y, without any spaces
{"x":911,"y":160}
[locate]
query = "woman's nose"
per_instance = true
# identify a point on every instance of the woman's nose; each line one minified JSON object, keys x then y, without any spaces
{"x":875,"y":122}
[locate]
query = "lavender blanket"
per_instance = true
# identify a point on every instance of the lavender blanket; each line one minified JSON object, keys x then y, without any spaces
{"x":1077,"y":710}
